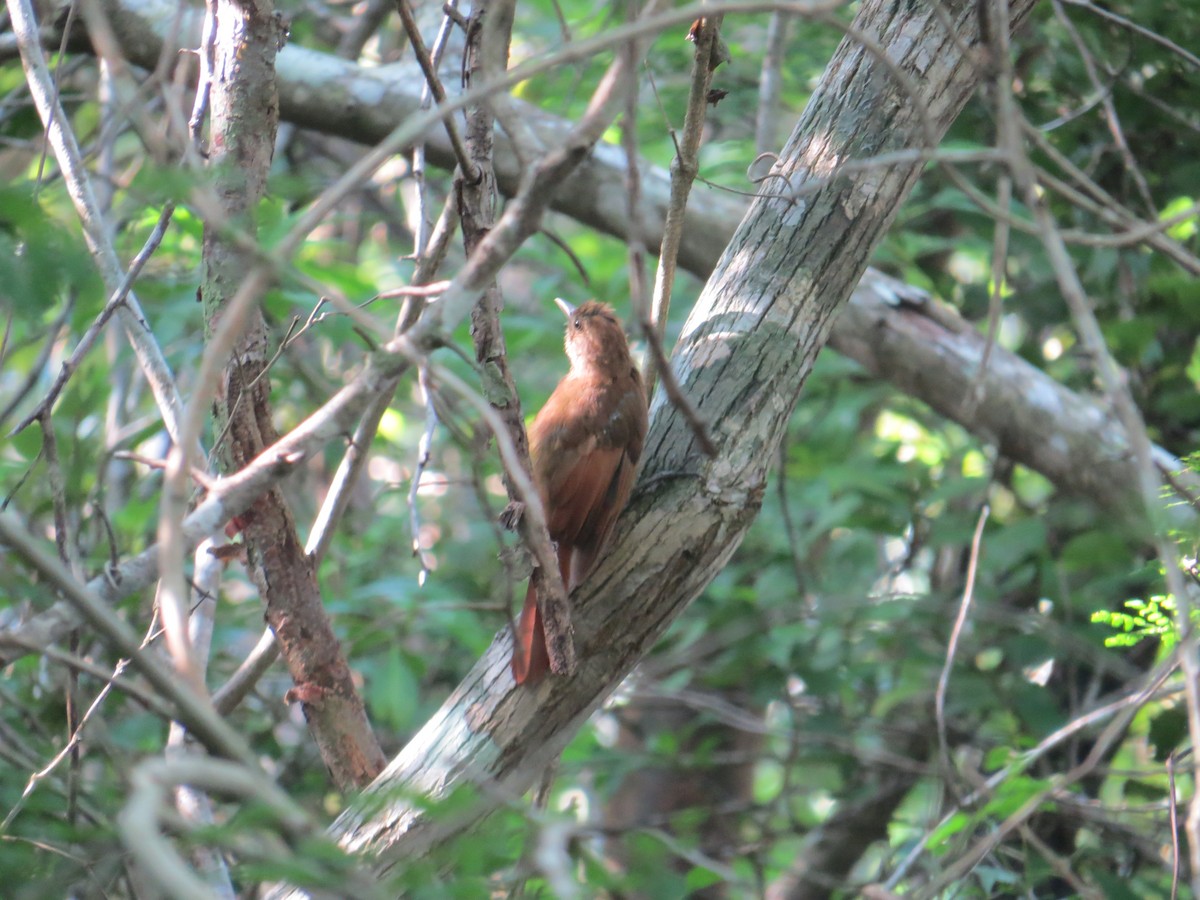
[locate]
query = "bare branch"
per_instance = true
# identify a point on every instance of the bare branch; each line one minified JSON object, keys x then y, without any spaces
{"x":232,"y":495}
{"x":141,"y":824}
{"x":117,"y":298}
{"x":194,"y":806}
{"x":1110,"y":109}
{"x":652,"y":317}
{"x":1162,"y":40}
{"x":594,"y":195}
{"x":766,"y":121}
{"x":197,"y":714}
{"x":435,"y":85}
{"x":749,"y":343}
{"x":964,"y":607}
{"x":113,"y":679}
{"x":243,"y":680}
{"x":706,"y":33}
{"x":1117,"y":713}
{"x":70,"y":160}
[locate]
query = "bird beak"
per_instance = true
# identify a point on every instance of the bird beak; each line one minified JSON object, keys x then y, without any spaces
{"x":567,"y":308}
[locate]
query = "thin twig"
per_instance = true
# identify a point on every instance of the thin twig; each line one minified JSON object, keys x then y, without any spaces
{"x":72,"y":10}
{"x":684,"y":167}
{"x":1061,"y":867}
{"x":58,"y":494}
{"x":435,"y":85}
{"x":363,"y":26}
{"x":64,"y":538}
{"x":794,"y":545}
{"x":198,"y":715}
{"x":1116,"y":388}
{"x":572,"y":257}
{"x":412,"y":290}
{"x":135,"y":690}
{"x":1190,"y":58}
{"x":117,"y":299}
{"x":1173,"y":806}
{"x":70,"y":161}
{"x":652,"y":316}
{"x":421,"y":232}
{"x":227,"y":698}
{"x":205,"y":57}
{"x":39,"y":365}
{"x":429,"y":263}
{"x":113,"y":679}
{"x":964,"y":607}
{"x":639,"y":301}
{"x":1110,"y":110}
{"x":423,"y":454}
{"x":999,"y":279}
{"x":1119,"y":712}
{"x":770,"y":84}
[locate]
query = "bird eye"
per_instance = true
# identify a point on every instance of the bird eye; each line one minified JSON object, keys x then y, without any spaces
{"x":579,"y":323}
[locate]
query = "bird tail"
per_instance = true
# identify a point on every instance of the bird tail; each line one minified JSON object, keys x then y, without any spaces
{"x":531,"y":659}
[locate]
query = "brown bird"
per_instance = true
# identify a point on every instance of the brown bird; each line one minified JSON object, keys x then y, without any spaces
{"x":585,"y":445}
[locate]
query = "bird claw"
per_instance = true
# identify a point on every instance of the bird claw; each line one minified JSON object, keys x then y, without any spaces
{"x":517,"y":562}
{"x":510,"y":516}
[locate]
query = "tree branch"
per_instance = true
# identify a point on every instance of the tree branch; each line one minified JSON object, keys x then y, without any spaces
{"x":244,"y":119}
{"x":743,"y":356}
{"x":197,"y":714}
{"x":79,"y":186}
{"x":886,"y":327}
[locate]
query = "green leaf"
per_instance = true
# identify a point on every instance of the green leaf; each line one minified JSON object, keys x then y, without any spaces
{"x":699,"y":878}
{"x":393,"y":692}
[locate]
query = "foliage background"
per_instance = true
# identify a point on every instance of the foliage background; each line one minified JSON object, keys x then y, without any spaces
{"x":798,"y":691}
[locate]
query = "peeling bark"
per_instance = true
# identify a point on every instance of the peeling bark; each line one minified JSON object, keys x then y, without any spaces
{"x":245,"y":116}
{"x":927,"y":350}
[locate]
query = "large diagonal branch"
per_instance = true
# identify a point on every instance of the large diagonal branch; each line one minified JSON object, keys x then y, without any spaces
{"x":929,"y":356}
{"x":744,"y":354}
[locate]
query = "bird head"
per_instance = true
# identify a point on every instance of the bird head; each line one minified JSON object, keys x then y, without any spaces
{"x":595,"y":338}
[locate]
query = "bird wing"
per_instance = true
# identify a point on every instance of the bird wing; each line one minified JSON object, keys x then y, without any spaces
{"x":585,"y":458}
{"x":599,"y":525}
{"x":580,"y":491}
